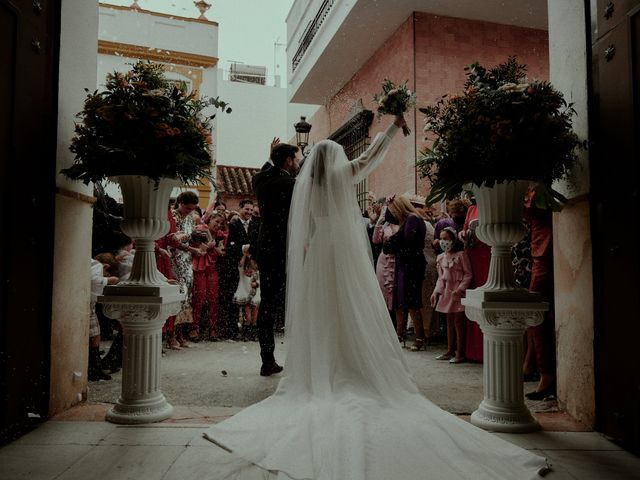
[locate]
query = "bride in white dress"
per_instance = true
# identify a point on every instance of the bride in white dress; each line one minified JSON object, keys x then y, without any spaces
{"x":347,"y":407}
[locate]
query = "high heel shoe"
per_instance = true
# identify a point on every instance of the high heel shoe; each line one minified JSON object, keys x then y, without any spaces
{"x":457,"y":360}
{"x":542,"y":394}
{"x":445,"y":356}
{"x":418,"y":345}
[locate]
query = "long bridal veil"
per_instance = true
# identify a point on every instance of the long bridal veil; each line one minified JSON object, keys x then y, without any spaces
{"x":346,"y":407}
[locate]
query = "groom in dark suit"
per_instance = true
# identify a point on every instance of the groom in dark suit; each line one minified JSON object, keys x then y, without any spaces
{"x":273,"y":186}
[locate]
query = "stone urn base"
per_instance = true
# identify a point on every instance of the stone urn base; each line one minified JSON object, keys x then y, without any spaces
{"x":142,"y":303}
{"x":503,"y":311}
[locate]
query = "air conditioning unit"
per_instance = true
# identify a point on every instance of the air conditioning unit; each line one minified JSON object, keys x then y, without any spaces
{"x":239,"y":72}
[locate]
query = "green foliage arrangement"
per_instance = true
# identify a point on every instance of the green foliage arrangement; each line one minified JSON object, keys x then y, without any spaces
{"x":500,"y":128}
{"x":143,"y":124}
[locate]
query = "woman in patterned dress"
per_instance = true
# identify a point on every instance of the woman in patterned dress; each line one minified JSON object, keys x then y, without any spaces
{"x":181,"y":261}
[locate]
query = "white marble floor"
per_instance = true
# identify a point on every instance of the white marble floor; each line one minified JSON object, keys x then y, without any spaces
{"x":75,"y":450}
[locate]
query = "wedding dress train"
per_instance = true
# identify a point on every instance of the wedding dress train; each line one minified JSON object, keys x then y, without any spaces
{"x":346,"y":407}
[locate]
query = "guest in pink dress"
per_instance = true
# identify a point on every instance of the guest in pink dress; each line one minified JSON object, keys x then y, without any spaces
{"x":480,"y":257}
{"x":386,"y":265}
{"x":454,"y":276}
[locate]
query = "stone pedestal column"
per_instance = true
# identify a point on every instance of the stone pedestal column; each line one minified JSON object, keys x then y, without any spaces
{"x":503,"y":310}
{"x":141,"y":317}
{"x":142,"y":303}
{"x":503,"y":325}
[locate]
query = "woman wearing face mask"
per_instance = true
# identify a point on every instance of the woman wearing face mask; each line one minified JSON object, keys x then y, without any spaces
{"x":454,"y":275}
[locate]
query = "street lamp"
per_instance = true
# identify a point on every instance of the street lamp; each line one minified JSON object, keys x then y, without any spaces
{"x":302,"y":134}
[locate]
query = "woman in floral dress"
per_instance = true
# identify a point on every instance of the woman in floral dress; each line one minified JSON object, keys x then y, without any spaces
{"x":181,"y":261}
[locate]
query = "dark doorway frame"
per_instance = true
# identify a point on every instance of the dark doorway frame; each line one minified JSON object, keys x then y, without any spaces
{"x":29,"y":55}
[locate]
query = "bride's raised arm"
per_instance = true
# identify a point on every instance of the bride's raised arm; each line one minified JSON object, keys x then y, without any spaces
{"x":362,"y":166}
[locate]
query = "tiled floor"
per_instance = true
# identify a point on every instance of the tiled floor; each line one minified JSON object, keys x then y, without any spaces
{"x":77,"y":449}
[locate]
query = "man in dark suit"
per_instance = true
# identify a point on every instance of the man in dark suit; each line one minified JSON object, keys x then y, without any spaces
{"x":243,"y":232}
{"x":273,"y":185}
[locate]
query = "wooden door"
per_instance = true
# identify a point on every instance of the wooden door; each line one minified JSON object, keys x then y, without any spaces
{"x":615,"y":130}
{"x":29,"y":42}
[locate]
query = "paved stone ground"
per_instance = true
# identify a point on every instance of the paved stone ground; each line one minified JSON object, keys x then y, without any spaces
{"x":193,"y":377}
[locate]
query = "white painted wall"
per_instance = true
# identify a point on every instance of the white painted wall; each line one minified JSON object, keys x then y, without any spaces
{"x":171,"y":34}
{"x":572,"y":246}
{"x":568,"y":73}
{"x":73,"y":217}
{"x":259,"y":114}
{"x":78,"y":45}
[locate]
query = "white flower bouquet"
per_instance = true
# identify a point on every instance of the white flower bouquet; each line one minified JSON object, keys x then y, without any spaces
{"x":395,"y":100}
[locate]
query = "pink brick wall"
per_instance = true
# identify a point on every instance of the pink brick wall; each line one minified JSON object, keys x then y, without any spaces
{"x":443,"y":47}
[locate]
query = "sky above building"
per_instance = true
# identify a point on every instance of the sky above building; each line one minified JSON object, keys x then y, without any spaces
{"x":250,"y":31}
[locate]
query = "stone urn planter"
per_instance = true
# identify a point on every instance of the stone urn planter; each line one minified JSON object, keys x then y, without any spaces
{"x":142,"y":303}
{"x":503,"y":310}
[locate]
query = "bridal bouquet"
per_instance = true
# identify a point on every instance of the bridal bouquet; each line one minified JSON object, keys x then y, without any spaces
{"x":395,"y":100}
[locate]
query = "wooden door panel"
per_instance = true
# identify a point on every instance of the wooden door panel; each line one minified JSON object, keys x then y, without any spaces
{"x":29,"y":40}
{"x":615,"y":121}
{"x":611,"y":12}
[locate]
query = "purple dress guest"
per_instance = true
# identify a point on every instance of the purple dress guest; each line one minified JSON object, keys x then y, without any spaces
{"x":410,"y":264}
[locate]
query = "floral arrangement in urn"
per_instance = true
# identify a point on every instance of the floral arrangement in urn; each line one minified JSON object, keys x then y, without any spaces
{"x":501,"y":128}
{"x":143,"y":124}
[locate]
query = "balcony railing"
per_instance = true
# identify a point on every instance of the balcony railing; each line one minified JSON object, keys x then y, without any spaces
{"x":310,"y":32}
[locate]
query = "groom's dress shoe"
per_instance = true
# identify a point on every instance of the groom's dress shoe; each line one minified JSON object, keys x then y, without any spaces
{"x":268,"y":369}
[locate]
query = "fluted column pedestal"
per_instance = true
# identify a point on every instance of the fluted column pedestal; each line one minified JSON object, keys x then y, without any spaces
{"x":503,"y":311}
{"x":142,"y":303}
{"x":141,"y":317}
{"x":503,"y":325}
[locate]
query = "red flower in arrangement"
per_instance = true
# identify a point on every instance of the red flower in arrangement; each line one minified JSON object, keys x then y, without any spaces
{"x":143,"y":124}
{"x":502,"y":127}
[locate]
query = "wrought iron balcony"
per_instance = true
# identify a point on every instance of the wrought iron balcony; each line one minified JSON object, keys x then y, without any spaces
{"x":310,"y":32}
